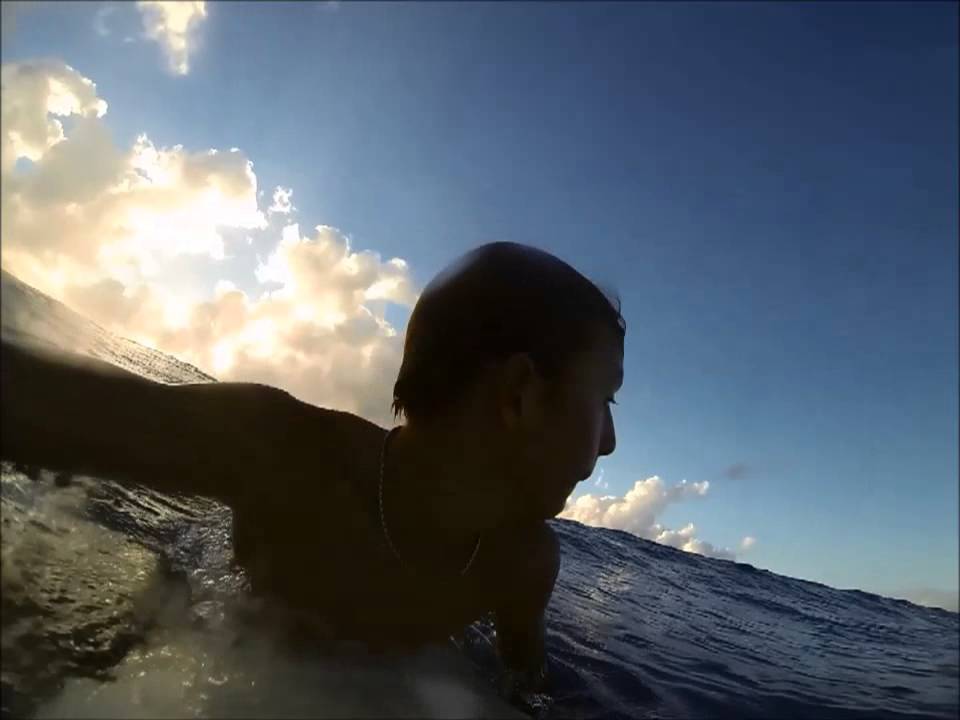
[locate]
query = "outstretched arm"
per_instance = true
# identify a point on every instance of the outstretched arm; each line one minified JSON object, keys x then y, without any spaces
{"x":81,"y":415}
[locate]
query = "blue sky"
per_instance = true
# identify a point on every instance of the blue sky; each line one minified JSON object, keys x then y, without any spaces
{"x":770,"y":187}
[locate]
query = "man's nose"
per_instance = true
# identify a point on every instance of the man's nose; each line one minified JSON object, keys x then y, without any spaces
{"x":609,"y":441}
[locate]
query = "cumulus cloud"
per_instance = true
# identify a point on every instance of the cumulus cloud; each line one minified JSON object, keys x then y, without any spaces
{"x":281,"y":201}
{"x":95,"y":225}
{"x":88,"y":205}
{"x":319,"y":336}
{"x":685,"y":539}
{"x":637,"y":512}
{"x":35,"y":97}
{"x":173,"y":25}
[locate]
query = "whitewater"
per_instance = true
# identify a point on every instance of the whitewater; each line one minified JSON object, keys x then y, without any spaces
{"x":118,"y":601}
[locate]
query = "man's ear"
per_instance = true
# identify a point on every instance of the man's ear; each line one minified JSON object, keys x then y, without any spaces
{"x":520,"y":393}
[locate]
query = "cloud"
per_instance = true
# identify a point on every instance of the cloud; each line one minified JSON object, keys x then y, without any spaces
{"x":98,"y":227}
{"x":173,"y":25}
{"x":637,"y":512}
{"x":87,"y":207}
{"x":600,"y":482}
{"x":747,"y":543}
{"x":100,"y":20}
{"x":35,"y":97}
{"x":281,"y":201}
{"x":684,"y":539}
{"x":319,"y":335}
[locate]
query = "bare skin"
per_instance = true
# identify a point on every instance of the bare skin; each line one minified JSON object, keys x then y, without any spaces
{"x":303,"y":483}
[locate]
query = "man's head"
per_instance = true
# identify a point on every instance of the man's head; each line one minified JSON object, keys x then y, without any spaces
{"x":516,"y":347}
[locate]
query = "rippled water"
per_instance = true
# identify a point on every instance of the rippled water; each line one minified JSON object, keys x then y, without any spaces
{"x":646,"y":626}
{"x":121,"y":602}
{"x":124,"y":603}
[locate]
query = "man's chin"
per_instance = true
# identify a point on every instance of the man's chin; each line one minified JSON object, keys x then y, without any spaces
{"x":558,"y":508}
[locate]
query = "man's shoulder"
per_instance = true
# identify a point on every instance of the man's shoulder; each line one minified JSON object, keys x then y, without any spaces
{"x":326,"y":434}
{"x":320,"y":455}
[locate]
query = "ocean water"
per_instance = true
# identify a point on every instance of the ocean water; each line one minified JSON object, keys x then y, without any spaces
{"x":122,"y":602}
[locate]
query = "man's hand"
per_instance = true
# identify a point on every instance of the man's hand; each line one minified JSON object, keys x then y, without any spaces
{"x":518,"y":680}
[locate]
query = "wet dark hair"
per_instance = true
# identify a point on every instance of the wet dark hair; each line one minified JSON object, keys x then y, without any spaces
{"x":498,"y":299}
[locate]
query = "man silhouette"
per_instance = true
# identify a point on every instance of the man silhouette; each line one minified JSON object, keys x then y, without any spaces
{"x":393,"y":538}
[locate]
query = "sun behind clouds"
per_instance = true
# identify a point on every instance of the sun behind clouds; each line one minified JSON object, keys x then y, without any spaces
{"x":94,"y":224}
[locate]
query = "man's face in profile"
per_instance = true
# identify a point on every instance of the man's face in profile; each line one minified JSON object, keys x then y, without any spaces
{"x":577,"y":426}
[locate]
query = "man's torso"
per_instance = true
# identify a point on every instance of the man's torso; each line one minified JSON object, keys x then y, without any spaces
{"x":325,"y":554}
